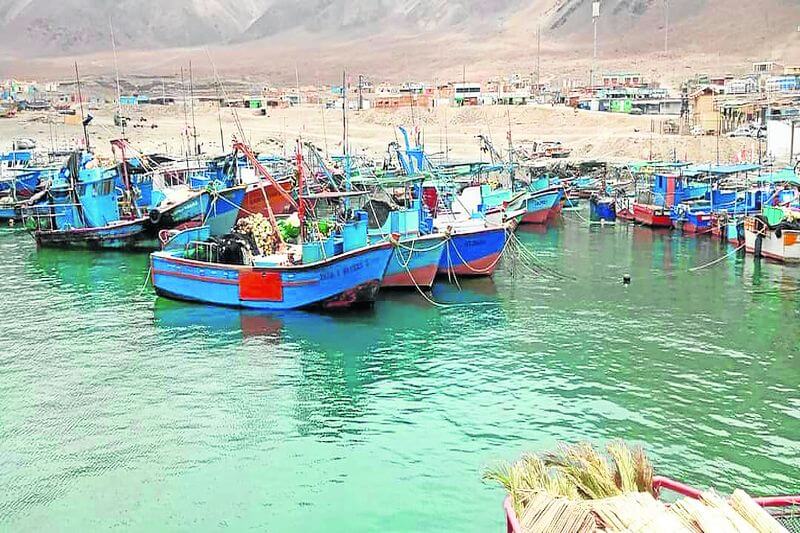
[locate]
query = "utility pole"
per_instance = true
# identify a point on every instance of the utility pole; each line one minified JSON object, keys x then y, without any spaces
{"x":360,"y":92}
{"x":666,"y":27}
{"x":595,"y":17}
{"x":538,"y":56}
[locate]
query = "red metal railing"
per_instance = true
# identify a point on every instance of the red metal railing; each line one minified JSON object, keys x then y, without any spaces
{"x":659,"y":483}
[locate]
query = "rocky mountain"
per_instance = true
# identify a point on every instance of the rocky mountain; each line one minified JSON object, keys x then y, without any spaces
{"x":265,"y":33}
{"x":44,"y":27}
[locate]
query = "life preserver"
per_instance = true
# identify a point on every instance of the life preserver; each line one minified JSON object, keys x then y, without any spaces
{"x":155,"y":216}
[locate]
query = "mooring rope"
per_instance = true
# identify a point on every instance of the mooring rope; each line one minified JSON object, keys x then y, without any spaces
{"x":716,"y":261}
{"x":146,"y":280}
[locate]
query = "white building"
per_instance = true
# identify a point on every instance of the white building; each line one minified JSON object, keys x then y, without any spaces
{"x":780,"y":139}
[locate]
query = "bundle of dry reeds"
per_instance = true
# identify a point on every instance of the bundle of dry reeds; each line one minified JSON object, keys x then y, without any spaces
{"x":577,"y":489}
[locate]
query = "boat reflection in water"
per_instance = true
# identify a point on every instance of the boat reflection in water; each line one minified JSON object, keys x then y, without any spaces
{"x":358,"y":331}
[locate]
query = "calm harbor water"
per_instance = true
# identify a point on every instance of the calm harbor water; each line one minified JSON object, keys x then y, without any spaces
{"x":123,"y":411}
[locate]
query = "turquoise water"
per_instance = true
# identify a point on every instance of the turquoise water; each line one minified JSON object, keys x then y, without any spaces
{"x":122,"y":411}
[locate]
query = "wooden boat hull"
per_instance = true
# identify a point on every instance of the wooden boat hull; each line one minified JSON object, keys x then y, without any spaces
{"x":219,"y":213}
{"x":415,"y":263}
{"x":652,"y":215}
{"x":762,"y":241}
{"x":474,"y":253}
{"x":343,"y":281}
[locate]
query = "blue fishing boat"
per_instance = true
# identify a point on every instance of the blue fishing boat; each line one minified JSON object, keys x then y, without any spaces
{"x":602,"y":209}
{"x":418,"y":250}
{"x":473,"y":249}
{"x":326,"y":269}
{"x":695,"y":214}
{"x":84,"y":210}
{"x":544,"y":201}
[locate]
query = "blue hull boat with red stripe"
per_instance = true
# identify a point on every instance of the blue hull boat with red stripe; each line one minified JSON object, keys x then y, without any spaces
{"x":542,"y":206}
{"x":340,"y":282}
{"x":415,"y":262}
{"x":474,"y":252}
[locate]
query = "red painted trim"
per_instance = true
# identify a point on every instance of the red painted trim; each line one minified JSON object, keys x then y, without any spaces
{"x":479,"y":267}
{"x":512,"y":523}
{"x":537,"y":217}
{"x":194,"y":277}
{"x":691,"y":228}
{"x":646,"y":214}
{"x":424,"y":276}
{"x":660,"y":482}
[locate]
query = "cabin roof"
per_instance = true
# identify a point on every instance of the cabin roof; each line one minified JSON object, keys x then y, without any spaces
{"x":724,"y":170}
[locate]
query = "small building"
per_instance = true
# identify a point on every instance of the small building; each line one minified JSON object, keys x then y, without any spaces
{"x":467,"y":93}
{"x":777,"y":84}
{"x":741,"y":86}
{"x":767,"y":68}
{"x":704,"y":112}
{"x":622,"y":79}
{"x":783,"y":139}
{"x":398,"y":101}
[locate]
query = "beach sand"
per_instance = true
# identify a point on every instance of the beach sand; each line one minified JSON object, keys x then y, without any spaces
{"x":591,"y":135}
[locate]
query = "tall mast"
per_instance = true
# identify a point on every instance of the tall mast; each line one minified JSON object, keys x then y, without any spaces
{"x":116,"y":70}
{"x":219,"y":118}
{"x":80,"y":100}
{"x":344,"y":113}
{"x":185,"y":113}
{"x":301,"y":212}
{"x":196,"y":148}
{"x":345,"y":146}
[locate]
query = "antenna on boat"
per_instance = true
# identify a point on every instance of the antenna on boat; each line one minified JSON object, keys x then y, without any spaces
{"x":116,"y":71}
{"x":84,"y":122}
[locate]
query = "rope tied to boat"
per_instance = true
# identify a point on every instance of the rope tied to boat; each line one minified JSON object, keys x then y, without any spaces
{"x":718,"y":260}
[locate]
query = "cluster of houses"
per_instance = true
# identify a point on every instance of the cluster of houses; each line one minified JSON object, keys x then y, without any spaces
{"x":768,"y":98}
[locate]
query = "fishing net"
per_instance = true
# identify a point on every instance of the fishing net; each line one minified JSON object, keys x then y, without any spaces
{"x":788,"y":517}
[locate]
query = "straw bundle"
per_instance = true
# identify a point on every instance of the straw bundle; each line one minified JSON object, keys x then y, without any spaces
{"x":637,"y":512}
{"x":544,"y":513}
{"x":755,"y":515}
{"x":576,"y":489}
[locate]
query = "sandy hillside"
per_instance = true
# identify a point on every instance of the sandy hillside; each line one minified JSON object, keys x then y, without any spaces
{"x":591,"y":135}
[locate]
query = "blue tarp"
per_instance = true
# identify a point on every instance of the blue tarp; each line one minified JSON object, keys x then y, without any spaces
{"x":724,"y":170}
{"x":786,"y":175}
